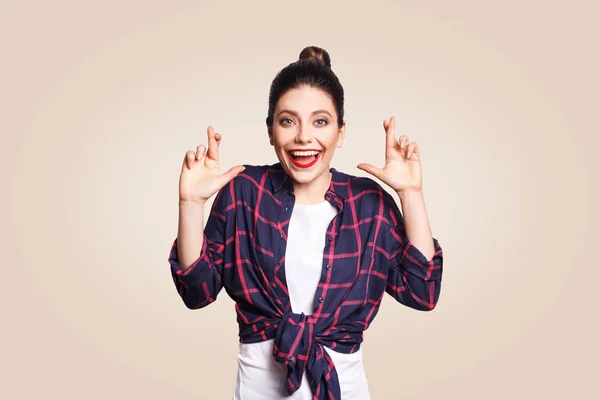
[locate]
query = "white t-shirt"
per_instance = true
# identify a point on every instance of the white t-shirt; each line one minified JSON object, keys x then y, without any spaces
{"x":260,"y":377}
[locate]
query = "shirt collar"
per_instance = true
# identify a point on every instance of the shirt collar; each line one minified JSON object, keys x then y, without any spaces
{"x":338,"y":186}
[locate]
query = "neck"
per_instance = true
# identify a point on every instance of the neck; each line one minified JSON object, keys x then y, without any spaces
{"x":312,"y":192}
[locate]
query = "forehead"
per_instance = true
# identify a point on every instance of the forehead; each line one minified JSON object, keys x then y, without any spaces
{"x":304,"y":100}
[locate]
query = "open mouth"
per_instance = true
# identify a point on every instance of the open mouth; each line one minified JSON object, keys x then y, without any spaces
{"x":304,"y":158}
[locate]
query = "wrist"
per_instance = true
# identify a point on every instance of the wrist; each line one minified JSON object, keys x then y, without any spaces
{"x":191,"y":203}
{"x":409,"y":194}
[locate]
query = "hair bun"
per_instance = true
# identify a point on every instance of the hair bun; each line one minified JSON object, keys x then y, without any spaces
{"x":316,"y":54}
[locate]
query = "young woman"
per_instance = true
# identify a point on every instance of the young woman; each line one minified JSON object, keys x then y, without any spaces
{"x":305,"y":251}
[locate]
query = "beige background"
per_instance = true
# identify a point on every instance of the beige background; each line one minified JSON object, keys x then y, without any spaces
{"x":99,"y":103}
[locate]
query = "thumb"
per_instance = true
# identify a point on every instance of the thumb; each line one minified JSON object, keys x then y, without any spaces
{"x":376,"y":172}
{"x":227,"y":176}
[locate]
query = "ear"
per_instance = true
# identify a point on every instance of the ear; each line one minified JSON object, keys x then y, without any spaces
{"x":341,"y":135}
{"x":270,"y":132}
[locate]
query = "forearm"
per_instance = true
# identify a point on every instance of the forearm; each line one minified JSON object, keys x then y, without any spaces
{"x":190,"y":233}
{"x":416,"y":222}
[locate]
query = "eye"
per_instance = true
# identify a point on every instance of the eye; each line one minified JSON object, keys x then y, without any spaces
{"x":323,"y":120}
{"x":283,"y":121}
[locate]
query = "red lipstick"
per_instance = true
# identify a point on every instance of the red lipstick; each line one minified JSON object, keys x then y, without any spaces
{"x":305,"y":161}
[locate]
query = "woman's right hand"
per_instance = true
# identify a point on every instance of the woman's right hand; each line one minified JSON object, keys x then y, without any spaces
{"x":200,"y":177}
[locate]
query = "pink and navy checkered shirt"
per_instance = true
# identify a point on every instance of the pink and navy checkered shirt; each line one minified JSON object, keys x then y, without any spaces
{"x":366,"y":254}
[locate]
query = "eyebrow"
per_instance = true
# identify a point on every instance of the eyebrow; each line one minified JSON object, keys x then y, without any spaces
{"x":296,"y":114}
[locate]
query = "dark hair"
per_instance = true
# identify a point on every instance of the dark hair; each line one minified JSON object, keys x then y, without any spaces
{"x":313,"y":69}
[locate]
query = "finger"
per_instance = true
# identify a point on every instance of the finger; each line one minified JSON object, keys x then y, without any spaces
{"x":385,"y":124}
{"x":218,"y":141}
{"x":403,"y":140}
{"x":390,"y":133}
{"x":376,"y":172}
{"x":411,"y":149}
{"x":229,"y":175}
{"x":189,"y":159}
{"x":200,"y":150}
{"x":213,"y":146}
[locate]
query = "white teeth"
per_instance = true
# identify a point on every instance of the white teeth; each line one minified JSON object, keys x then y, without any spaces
{"x":304,"y":153}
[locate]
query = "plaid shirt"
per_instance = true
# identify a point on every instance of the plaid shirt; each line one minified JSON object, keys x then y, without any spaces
{"x":366,"y":254}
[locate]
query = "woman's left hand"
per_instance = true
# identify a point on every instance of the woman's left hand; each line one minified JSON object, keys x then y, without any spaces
{"x":402,"y":169}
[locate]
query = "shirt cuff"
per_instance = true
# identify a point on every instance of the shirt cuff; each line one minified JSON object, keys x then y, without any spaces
{"x":415,"y":262}
{"x":190,"y":275}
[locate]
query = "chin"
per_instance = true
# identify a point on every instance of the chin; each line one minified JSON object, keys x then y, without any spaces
{"x":304,"y":175}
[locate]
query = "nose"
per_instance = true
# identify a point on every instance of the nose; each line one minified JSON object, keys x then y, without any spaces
{"x":304,"y":134}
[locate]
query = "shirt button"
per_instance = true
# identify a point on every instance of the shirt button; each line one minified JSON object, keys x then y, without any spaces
{"x":330,"y":238}
{"x":290,"y":358}
{"x":320,"y":299}
{"x":274,"y":352}
{"x":328,"y":267}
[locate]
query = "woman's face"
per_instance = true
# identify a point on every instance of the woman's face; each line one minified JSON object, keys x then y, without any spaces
{"x":305,"y":134}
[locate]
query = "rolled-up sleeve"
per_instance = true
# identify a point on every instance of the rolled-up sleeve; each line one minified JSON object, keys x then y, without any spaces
{"x":413,"y":280}
{"x":200,"y":284}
